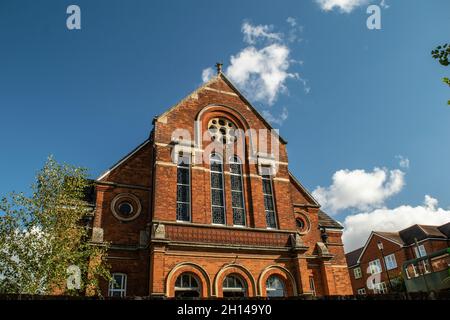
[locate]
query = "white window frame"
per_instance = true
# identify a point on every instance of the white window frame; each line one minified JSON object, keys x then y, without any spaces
{"x":420,"y":251}
{"x":380,"y":288}
{"x":188,"y":168}
{"x":235,"y":288}
{"x":223,"y":189}
{"x":377,"y":264}
{"x":426,"y":266}
{"x":272,"y":289}
{"x":189,"y":288}
{"x":357,"y":273}
{"x":123,"y":285}
{"x":391,"y":262}
{"x":361,"y":291}
{"x":416,"y":274}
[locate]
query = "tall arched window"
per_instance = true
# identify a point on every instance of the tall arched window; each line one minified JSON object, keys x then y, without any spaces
{"x":237,"y":192}
{"x":183,"y":188}
{"x":275,"y":287}
{"x":269,"y":204}
{"x":187,"y":286}
{"x":217,"y":190}
{"x":234,"y":286}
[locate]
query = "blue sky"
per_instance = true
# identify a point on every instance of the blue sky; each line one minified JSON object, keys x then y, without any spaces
{"x":88,"y":96}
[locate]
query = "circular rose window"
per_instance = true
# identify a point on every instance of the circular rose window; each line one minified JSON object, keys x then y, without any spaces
{"x":126,"y":207}
{"x":222,"y":130}
{"x":302,"y":223}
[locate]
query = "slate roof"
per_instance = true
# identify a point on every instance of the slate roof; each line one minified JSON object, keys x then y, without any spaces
{"x":445,"y":229}
{"x":394,"y":236}
{"x":404,"y":237}
{"x":352,"y":257}
{"x":327,"y":222}
{"x":420,"y":232}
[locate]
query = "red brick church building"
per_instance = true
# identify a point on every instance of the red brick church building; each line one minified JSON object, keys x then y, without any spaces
{"x":187,"y":215}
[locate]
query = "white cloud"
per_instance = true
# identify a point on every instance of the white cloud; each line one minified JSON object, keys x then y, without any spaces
{"x":403,"y":162}
{"x":260,"y":32}
{"x":276,"y":119}
{"x":262,"y":68}
{"x":346,"y":6}
{"x":358,"y":227}
{"x":207,"y":74}
{"x":358,"y":189}
{"x":384,"y":5}
{"x":261,"y":73}
{"x":292,"y":21}
{"x":294,"y":31}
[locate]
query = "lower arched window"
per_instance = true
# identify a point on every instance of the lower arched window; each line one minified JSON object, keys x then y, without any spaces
{"x":275,"y":287}
{"x":187,"y":286}
{"x":234,"y":286}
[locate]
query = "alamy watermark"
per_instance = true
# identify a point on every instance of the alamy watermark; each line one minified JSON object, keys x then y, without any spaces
{"x":73,"y":280}
{"x":373,"y":22}
{"x":260,"y":147}
{"x":73,"y":21}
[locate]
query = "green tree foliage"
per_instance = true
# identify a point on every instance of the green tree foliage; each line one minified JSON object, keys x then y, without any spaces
{"x":441,"y":53}
{"x":43,"y":234}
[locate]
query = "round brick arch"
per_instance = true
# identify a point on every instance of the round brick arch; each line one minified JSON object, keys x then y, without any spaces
{"x":237,"y":270}
{"x":218,"y":110}
{"x":284,"y":274}
{"x":192,"y":268}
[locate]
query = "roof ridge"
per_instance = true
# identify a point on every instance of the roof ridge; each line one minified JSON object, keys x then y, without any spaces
{"x":222,"y":76}
{"x":315,"y":202}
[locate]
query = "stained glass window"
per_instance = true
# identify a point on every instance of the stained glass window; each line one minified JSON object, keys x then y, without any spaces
{"x":237,"y":192}
{"x":217,"y":192}
{"x":268,"y":202}
{"x":183,"y":189}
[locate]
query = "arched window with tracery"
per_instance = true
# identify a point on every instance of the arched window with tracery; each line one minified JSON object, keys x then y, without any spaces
{"x":269,"y":203}
{"x":222,"y":130}
{"x":183,"y":188}
{"x":217,"y":189}
{"x":237,"y":191}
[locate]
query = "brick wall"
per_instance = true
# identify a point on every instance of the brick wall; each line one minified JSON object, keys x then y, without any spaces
{"x":153,"y":259}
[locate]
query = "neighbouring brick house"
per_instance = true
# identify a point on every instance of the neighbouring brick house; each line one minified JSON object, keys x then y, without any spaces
{"x":395,"y":248}
{"x":229,"y":226}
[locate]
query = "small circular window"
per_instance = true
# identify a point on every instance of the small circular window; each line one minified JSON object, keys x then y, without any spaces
{"x":222,"y":130}
{"x":302,"y":223}
{"x":126,"y":207}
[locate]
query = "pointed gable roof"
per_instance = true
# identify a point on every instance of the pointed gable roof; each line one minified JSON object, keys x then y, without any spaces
{"x":123,"y":160}
{"x":393,"y":237}
{"x":210,"y":85}
{"x":313,"y":202}
{"x":445,"y":229}
{"x":353,"y":256}
{"x":328,"y":222}
{"x":420,"y":232}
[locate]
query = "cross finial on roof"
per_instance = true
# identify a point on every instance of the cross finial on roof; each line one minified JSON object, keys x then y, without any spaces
{"x":219,"y":67}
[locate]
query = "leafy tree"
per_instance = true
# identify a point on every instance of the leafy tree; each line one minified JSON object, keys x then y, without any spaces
{"x":441,"y":53}
{"x":43,"y":234}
